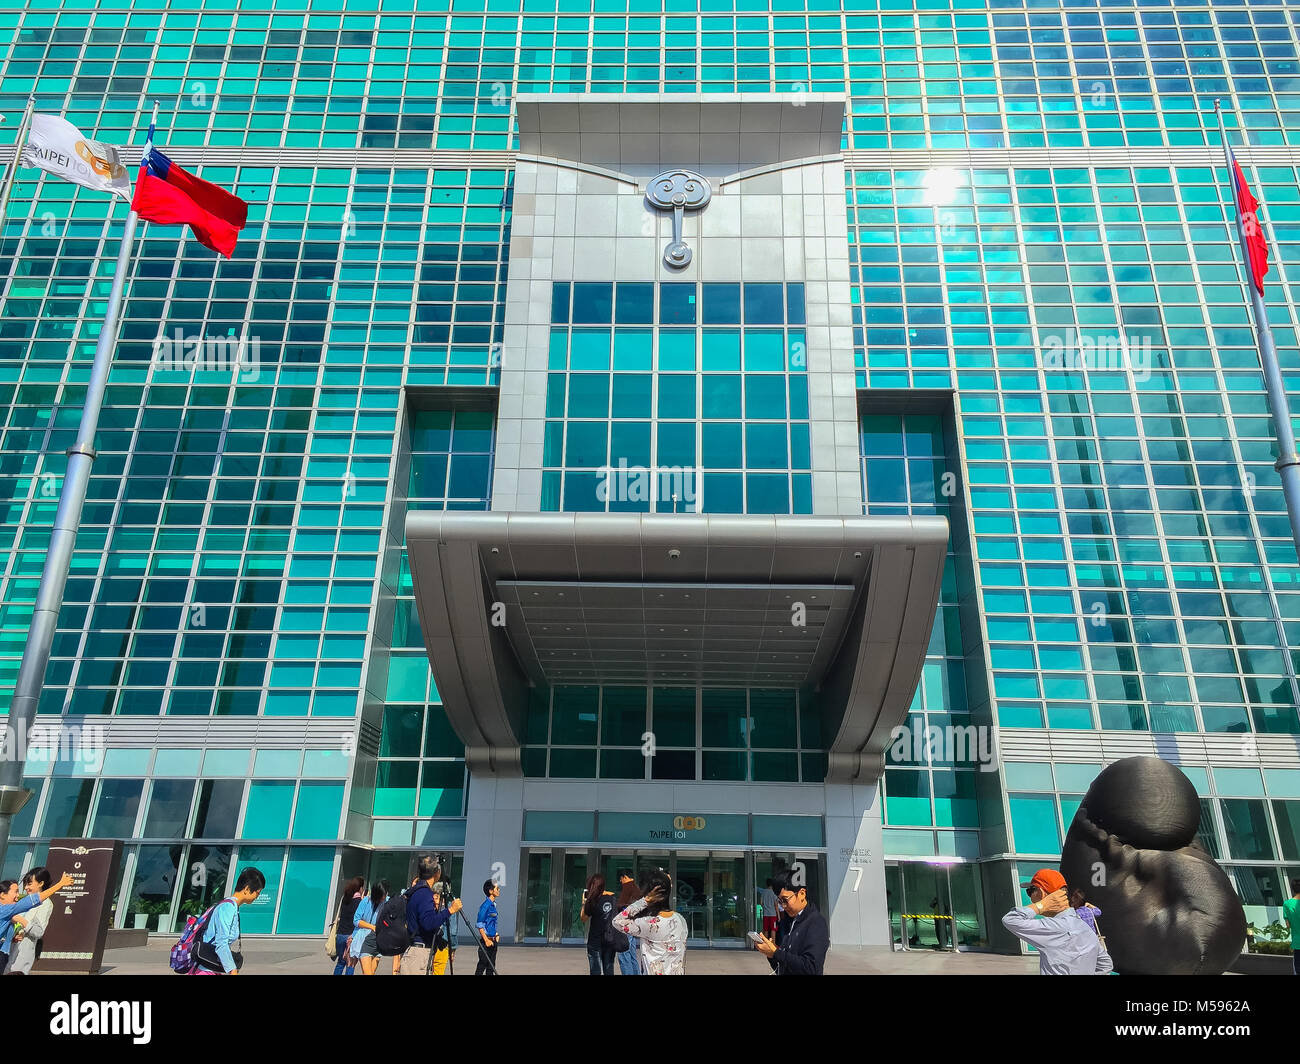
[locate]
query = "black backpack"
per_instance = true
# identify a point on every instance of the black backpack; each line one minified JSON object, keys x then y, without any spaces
{"x":391,"y":935}
{"x":613,"y":937}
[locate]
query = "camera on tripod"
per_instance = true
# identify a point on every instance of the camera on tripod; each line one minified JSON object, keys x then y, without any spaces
{"x":444,"y":894}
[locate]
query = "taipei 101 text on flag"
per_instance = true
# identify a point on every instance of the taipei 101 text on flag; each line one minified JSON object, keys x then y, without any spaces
{"x":56,"y":146}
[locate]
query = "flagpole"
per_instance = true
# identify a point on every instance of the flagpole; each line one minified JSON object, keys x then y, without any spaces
{"x":67,"y":520}
{"x":18,"y":151}
{"x":1288,"y":461}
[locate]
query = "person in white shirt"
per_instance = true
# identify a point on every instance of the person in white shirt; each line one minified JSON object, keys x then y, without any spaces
{"x":1066,"y":945}
{"x":661,"y":930}
{"x":29,"y":928}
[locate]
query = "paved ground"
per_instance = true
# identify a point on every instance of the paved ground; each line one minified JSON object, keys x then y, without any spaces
{"x":307,"y":957}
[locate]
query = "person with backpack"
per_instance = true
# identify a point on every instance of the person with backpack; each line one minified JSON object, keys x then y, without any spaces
{"x":363,"y":946}
{"x":487,"y":929}
{"x":426,"y":921}
{"x":391,"y":936}
{"x":598,"y":909}
{"x":213,"y":953}
{"x":344,"y":925}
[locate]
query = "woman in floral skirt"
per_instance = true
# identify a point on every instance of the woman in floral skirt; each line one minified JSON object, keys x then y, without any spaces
{"x":661,"y":931}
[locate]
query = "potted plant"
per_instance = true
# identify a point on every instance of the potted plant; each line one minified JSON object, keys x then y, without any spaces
{"x":152,"y":912}
{"x":1274,"y":938}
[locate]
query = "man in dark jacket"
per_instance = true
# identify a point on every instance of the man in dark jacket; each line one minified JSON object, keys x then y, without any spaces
{"x":805,"y":938}
{"x":426,"y":919}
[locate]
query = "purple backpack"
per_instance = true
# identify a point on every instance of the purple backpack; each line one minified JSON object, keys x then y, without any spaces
{"x":182,"y":960}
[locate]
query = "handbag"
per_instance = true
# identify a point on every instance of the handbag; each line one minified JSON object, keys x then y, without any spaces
{"x":1100,"y":937}
{"x":205,"y":953}
{"x":332,"y":936}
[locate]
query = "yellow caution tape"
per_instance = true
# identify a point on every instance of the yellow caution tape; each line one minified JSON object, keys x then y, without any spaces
{"x":924,"y":916}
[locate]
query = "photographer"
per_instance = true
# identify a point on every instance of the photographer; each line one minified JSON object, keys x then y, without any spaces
{"x":426,"y":919}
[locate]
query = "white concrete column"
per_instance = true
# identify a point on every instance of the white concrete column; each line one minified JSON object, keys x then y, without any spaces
{"x":494,"y":831}
{"x":855,"y":868}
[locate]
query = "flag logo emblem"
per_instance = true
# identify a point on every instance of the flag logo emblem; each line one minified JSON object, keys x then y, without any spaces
{"x":100,"y":159}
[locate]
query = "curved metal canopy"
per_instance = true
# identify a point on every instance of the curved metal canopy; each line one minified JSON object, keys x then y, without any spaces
{"x":841,"y":606}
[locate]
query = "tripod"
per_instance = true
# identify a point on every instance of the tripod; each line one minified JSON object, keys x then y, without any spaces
{"x":447,"y":895}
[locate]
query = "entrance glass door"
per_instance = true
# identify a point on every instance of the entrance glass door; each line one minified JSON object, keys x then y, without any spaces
{"x":552,"y":906}
{"x":896,"y":904}
{"x":925,"y":909}
{"x":573,"y":881}
{"x":716,"y":893}
{"x":537,"y":895}
{"x":967,"y":906}
{"x":691,"y":883}
{"x":727,"y":900}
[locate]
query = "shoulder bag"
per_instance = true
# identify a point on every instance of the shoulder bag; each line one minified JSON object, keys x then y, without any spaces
{"x":205,"y":953}
{"x":332,"y":936}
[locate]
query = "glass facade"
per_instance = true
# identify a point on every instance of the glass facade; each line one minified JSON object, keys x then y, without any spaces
{"x":1095,"y":428}
{"x":710,"y":733}
{"x":712,"y":403}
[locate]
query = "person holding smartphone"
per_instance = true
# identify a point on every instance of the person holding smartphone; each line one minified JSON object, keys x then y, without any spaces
{"x":597,"y":909}
{"x":804,"y":939}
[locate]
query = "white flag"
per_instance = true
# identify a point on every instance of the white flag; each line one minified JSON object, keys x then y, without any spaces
{"x":57,"y":146}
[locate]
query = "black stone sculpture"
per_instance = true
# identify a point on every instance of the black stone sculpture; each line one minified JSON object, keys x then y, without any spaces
{"x":1166,"y":907}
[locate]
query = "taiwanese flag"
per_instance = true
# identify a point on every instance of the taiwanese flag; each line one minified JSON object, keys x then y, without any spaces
{"x":1247,"y":206}
{"x":167,"y":194}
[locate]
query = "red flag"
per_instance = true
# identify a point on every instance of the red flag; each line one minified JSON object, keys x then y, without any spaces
{"x":1247,"y":207}
{"x":165,"y":193}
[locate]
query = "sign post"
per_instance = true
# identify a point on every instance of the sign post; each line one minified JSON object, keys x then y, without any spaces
{"x":78,"y":929}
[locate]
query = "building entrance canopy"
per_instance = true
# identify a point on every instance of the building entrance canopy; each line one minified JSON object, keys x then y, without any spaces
{"x":838,"y":606}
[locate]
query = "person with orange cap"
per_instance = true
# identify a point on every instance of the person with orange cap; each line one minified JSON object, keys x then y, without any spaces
{"x":1066,"y":945}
